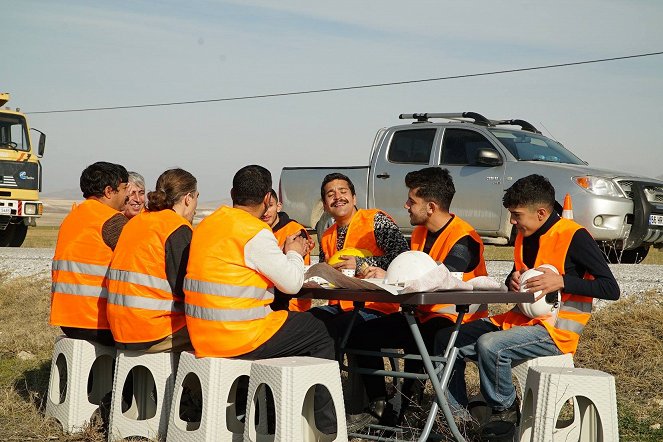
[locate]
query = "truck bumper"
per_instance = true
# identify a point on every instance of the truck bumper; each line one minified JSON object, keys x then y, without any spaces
{"x":17,"y":211}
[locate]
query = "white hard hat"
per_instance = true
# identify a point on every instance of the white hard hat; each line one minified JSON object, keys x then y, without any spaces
{"x":409,"y":266}
{"x":545,"y":307}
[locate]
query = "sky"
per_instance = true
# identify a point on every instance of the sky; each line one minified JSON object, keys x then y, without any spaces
{"x":77,"y":54}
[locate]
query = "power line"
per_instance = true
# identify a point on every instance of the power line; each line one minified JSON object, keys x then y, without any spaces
{"x":348,"y":88}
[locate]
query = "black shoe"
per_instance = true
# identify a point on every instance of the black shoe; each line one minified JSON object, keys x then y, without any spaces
{"x":501,"y":425}
{"x":357,"y":422}
{"x":378,"y":412}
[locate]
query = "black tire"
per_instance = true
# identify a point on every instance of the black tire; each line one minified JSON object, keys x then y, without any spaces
{"x":13,"y":235}
{"x":632,"y":256}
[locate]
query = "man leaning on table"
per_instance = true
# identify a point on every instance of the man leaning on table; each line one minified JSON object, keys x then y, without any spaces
{"x":449,"y":240}
{"x":499,"y":341}
{"x":234,"y":265}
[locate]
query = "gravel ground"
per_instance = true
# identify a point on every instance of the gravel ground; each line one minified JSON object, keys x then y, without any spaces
{"x":632,"y":279}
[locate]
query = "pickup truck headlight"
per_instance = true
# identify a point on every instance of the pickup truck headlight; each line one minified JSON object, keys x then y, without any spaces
{"x":598,"y":186}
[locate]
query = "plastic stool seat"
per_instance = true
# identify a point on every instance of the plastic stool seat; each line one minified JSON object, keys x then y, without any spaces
{"x":153,"y":379}
{"x":81,"y":376}
{"x":218,"y":387}
{"x":292,"y":381}
{"x":549,"y":388}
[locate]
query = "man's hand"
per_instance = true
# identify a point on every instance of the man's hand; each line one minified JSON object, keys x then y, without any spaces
{"x":299,"y":244}
{"x":373,"y":272}
{"x":514,"y":281}
{"x":549,"y":282}
{"x":347,"y":262}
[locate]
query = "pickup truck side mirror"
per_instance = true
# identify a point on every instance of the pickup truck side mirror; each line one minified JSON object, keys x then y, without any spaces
{"x":488,"y":157}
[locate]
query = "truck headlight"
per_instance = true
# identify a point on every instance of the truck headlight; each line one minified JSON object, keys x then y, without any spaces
{"x":32,"y":209}
{"x":598,"y":186}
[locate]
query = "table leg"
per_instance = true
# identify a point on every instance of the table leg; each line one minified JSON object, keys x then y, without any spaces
{"x":439,"y":385}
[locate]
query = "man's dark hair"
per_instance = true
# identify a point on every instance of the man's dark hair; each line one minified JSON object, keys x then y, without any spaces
{"x":530,"y":191}
{"x":275,"y":197}
{"x":335,"y":176}
{"x":250,"y":185}
{"x":433,"y":184}
{"x":96,"y":177}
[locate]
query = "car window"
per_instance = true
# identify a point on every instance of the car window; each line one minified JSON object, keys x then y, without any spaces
{"x":460,"y":146}
{"x":526,"y":146}
{"x":412,"y":146}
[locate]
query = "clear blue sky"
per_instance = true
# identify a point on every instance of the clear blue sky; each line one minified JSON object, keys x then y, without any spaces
{"x":75,"y":54}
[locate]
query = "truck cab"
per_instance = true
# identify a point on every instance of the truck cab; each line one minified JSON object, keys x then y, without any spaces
{"x":20,"y":176}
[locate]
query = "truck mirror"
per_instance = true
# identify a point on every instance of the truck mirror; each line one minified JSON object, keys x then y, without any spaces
{"x":42,"y":145}
{"x":42,"y":142}
{"x":488,"y":157}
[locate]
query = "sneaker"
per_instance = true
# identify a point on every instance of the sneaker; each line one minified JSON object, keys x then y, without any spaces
{"x":501,"y":425}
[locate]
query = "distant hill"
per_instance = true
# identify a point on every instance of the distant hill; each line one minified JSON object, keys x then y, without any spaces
{"x":660,"y":177}
{"x":63,"y":194}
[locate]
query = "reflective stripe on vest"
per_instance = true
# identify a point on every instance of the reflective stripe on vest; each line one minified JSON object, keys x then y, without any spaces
{"x":139,"y":278}
{"x":145,"y":303}
{"x":569,"y":325}
{"x":228,"y":290}
{"x":226,"y":315}
{"x":68,"y":288}
{"x":79,"y":267}
{"x":576,"y":307}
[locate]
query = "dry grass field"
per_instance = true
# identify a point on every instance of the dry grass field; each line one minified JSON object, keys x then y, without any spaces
{"x":624,"y":339}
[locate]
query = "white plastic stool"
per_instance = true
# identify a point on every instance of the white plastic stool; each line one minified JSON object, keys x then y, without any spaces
{"x":147,"y":415}
{"x":81,"y":375}
{"x":521,"y":369}
{"x":217,"y":379}
{"x":292,"y":381}
{"x":548,"y":388}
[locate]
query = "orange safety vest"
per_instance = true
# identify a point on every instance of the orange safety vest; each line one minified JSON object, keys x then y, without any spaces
{"x":226,"y":302}
{"x":295,"y":305}
{"x":141,"y":304}
{"x":360,"y":235}
{"x":80,"y":264}
{"x":575,"y":310}
{"x":455,"y":230}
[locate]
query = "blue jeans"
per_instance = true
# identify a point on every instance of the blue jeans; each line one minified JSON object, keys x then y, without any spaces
{"x":494,"y":350}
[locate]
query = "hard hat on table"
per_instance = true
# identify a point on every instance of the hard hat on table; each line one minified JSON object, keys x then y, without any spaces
{"x":409,"y":266}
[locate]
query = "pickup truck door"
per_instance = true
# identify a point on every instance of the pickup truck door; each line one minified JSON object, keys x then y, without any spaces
{"x":479,"y":187}
{"x":400,"y":152}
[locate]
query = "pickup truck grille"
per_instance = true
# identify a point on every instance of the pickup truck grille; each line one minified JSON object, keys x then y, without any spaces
{"x":642,"y":231}
{"x":654,"y":194}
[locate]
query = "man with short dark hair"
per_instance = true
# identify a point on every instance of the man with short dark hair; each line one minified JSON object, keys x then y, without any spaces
{"x":282,"y":227}
{"x":86,"y":240}
{"x":448,"y":240}
{"x":499,"y":341}
{"x":234,"y":266}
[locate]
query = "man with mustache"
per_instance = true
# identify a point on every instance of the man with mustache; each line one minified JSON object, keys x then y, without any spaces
{"x":368,"y":229}
{"x":86,"y":240}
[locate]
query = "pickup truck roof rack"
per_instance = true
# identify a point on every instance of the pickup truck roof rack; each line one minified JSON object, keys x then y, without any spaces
{"x":476,"y":117}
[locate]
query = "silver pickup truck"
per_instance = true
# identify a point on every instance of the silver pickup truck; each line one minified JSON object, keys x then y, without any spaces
{"x":623,"y":213}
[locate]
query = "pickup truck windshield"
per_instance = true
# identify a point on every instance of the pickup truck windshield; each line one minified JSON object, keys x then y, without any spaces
{"x":13,"y":133}
{"x":527,"y":146}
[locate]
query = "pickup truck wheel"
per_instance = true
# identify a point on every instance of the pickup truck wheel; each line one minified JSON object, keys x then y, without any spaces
{"x":632,"y":256}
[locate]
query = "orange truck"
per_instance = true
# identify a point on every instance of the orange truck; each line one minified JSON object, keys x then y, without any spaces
{"x":20,"y":175}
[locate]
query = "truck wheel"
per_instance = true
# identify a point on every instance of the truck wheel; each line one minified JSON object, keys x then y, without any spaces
{"x":13,"y":235}
{"x":20,"y":231}
{"x":633,"y":256}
